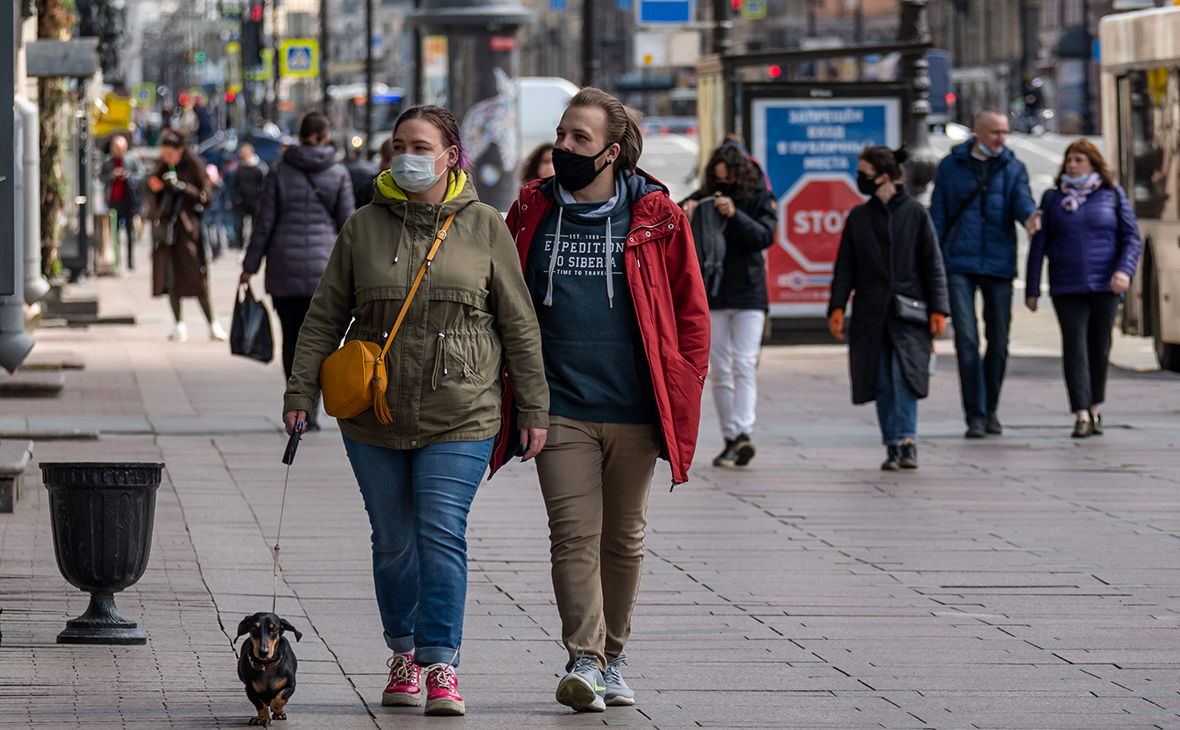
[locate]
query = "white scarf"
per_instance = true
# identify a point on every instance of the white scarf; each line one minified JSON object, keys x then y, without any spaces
{"x":1075,"y":195}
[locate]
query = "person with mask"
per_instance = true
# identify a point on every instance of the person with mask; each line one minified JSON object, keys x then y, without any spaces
{"x":180,"y":193}
{"x":889,"y":257}
{"x":122,"y":176}
{"x":980,"y":192}
{"x":1092,"y":241}
{"x":738,"y":300}
{"x":419,"y":464}
{"x":246,"y":188}
{"x":305,"y":202}
{"x":610,"y":264}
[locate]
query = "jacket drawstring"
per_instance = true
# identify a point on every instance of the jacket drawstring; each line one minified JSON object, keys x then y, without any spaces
{"x":439,"y":357}
{"x":402,"y":234}
{"x":610,"y":256}
{"x":553,"y":259}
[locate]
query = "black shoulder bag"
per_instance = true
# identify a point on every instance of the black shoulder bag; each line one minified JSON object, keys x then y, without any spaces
{"x":906,"y":307}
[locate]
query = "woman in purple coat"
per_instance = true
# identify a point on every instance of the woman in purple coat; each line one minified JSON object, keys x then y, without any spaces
{"x":1092,"y":240}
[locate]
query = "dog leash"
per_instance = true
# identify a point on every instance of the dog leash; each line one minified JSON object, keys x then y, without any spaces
{"x":288,"y":458}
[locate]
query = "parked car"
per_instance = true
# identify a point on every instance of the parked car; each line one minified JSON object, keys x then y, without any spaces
{"x":668,"y":125}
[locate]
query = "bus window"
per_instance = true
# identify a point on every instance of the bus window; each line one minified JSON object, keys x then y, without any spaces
{"x":1152,"y":100}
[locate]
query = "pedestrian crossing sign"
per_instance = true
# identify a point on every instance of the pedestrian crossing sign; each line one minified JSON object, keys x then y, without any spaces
{"x":144,"y":94}
{"x":753,"y":9}
{"x":299,"y":58}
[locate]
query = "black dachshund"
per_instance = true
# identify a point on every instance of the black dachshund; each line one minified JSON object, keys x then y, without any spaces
{"x":267,"y":665}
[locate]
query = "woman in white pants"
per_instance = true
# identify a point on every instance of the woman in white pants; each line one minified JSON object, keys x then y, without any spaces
{"x":733,"y":220}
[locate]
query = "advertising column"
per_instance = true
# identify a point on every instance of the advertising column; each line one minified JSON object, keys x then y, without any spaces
{"x":809,"y":149}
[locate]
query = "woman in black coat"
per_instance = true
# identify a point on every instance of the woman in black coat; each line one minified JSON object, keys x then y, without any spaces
{"x":889,"y":256}
{"x":734,"y":225}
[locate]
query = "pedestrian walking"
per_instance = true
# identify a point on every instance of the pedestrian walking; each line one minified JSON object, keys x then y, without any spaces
{"x":889,"y":256}
{"x":122,"y":176}
{"x":305,"y":201}
{"x":609,"y":262}
{"x":180,"y":192}
{"x":980,"y":192}
{"x":471,"y":317}
{"x":736,"y":204}
{"x":362,"y":173}
{"x":1092,"y":241}
{"x":246,"y":188}
{"x":539,"y":165}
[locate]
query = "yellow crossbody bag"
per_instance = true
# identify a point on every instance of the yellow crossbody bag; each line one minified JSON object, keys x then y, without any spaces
{"x":353,"y":378}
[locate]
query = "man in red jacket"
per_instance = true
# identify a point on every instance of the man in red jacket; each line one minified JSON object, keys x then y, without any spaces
{"x":610,"y":262}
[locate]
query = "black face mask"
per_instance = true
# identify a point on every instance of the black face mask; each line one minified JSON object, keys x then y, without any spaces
{"x":865,"y":184}
{"x":726,"y":189}
{"x":574,"y":171}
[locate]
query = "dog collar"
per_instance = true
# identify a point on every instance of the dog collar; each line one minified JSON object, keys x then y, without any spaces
{"x":260,"y":666}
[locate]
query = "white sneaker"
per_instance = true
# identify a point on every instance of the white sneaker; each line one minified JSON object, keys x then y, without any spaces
{"x":179,"y":334}
{"x":217,"y":332}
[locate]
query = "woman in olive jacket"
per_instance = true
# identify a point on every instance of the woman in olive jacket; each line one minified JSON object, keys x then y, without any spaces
{"x":470,"y":318}
{"x":889,"y":248}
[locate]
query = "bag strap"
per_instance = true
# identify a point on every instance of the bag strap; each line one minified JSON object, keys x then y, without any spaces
{"x":379,"y":404}
{"x":981,"y":185}
{"x":417,"y":280}
{"x":316,"y":189}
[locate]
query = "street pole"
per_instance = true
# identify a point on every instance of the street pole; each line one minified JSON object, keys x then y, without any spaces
{"x":83,"y":199}
{"x":325,"y":34}
{"x":368,"y":79}
{"x":914,"y":72}
{"x":721,"y":25}
{"x":7,"y":167}
{"x":589,"y":64}
{"x":274,"y":51}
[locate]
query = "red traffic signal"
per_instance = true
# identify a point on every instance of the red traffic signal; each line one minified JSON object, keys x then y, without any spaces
{"x":183,"y":98}
{"x":736,"y":5}
{"x":774,"y":71}
{"x":230,"y":96}
{"x":256,"y":13}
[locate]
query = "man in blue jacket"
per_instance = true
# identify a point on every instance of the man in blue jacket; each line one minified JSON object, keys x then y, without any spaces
{"x":980,"y":192}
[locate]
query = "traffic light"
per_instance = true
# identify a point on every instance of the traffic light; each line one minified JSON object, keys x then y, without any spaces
{"x":252,"y":36}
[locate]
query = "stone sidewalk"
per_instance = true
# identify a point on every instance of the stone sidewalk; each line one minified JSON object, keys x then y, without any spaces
{"x":1026,"y":581}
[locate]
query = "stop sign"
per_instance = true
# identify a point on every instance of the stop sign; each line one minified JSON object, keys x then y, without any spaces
{"x":813,"y":218}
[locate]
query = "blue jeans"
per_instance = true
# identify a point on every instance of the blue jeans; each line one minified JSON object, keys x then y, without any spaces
{"x":417,"y":500}
{"x":897,"y":406}
{"x":980,"y":380}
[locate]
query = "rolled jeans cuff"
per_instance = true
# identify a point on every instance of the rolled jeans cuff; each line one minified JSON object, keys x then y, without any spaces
{"x":400,"y":644}
{"x":427,"y":655}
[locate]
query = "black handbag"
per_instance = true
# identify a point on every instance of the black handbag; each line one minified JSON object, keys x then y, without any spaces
{"x":249,"y":333}
{"x":910,"y":310}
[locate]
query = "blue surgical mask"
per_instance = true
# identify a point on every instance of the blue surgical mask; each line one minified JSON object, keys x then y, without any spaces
{"x":988,"y":152}
{"x":1076,"y":181}
{"x":415,"y":173}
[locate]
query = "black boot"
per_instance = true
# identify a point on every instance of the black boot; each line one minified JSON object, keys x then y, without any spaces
{"x":744,"y":448}
{"x":909,"y":455}
{"x":728,"y":456}
{"x":892,"y":454}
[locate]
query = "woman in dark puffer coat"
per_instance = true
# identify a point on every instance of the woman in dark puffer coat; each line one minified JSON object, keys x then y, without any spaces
{"x":1092,"y":241}
{"x":306,"y":200}
{"x":889,"y":251}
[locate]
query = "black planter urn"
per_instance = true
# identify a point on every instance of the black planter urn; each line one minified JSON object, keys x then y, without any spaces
{"x":102,"y":515}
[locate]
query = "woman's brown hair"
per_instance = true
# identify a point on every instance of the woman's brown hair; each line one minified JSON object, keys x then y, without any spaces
{"x":188,"y":158}
{"x":442,"y":118}
{"x":1087,"y":148}
{"x":532,"y":167}
{"x":744,"y":174}
{"x":622,"y":125}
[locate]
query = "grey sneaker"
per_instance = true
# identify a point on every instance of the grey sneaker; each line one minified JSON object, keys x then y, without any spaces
{"x":617,"y":691}
{"x":583,"y":688}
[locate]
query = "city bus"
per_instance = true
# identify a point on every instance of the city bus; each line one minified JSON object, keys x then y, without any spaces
{"x":1140,"y":58}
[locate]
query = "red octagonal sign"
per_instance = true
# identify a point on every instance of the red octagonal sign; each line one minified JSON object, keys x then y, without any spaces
{"x":813,"y":219}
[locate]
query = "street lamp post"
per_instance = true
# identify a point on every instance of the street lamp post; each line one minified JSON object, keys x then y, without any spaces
{"x":914,"y":72}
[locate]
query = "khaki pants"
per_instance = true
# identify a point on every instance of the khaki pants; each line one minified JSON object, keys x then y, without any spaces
{"x":595,"y":478}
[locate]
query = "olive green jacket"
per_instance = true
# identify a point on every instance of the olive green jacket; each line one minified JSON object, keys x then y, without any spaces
{"x":471,"y":318}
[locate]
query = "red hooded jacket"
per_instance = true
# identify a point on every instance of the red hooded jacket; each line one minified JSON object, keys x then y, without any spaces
{"x":670,"y":305}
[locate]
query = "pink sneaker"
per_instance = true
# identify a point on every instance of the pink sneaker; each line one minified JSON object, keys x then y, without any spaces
{"x":405,"y":682}
{"x":442,"y":695}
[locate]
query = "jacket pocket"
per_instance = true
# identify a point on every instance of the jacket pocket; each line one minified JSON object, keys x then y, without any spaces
{"x":465,"y":359}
